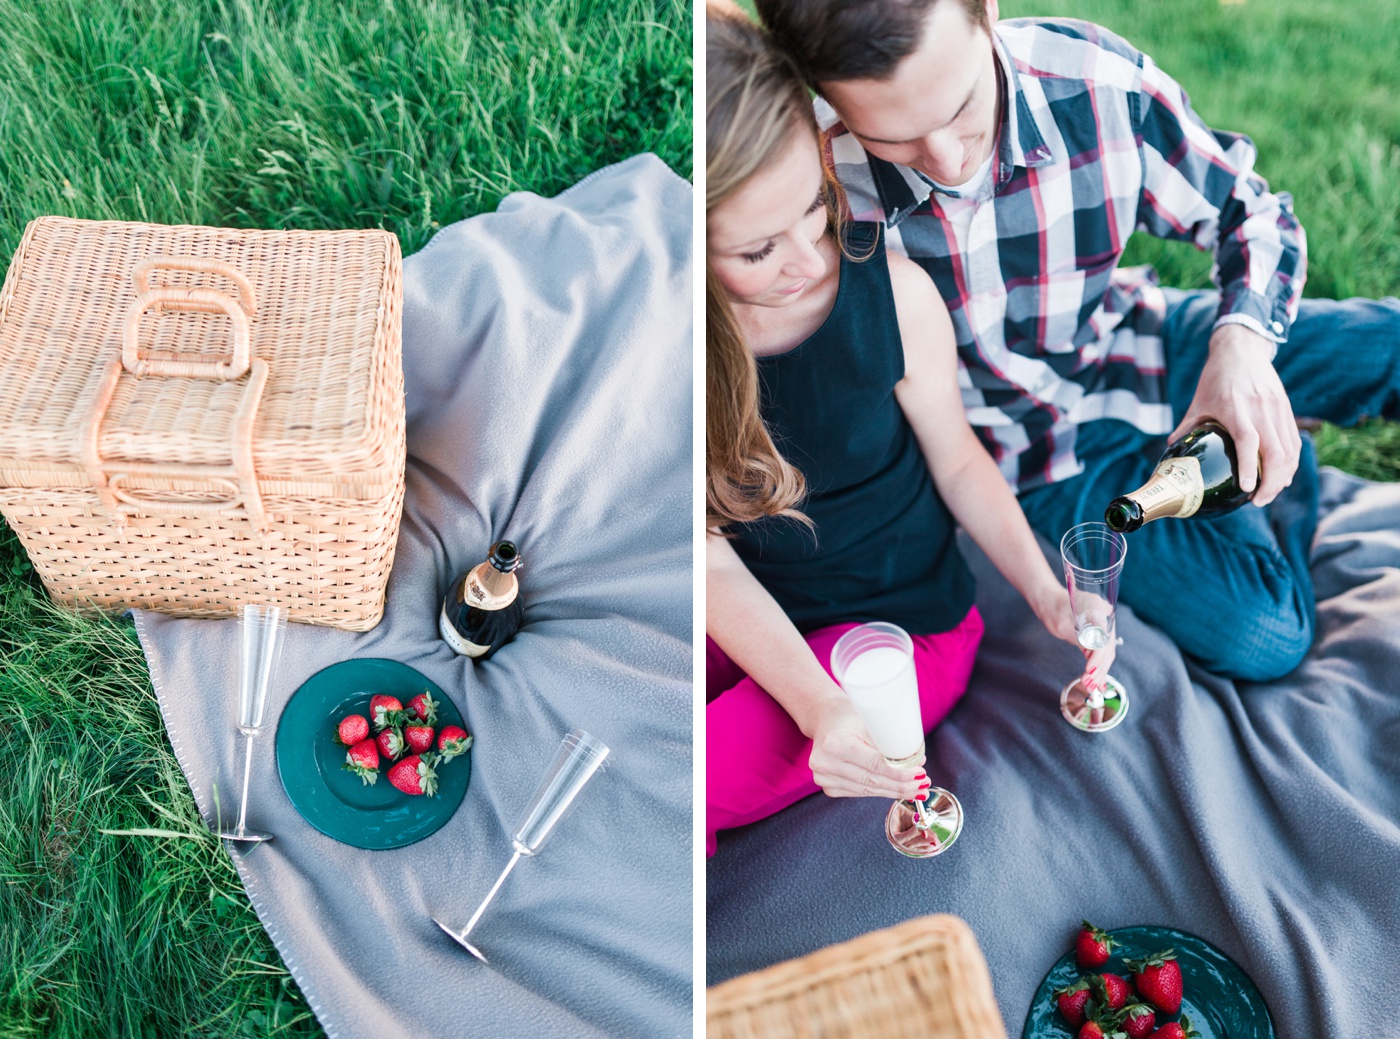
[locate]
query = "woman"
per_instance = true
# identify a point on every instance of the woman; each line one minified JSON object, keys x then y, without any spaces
{"x":837,"y":459}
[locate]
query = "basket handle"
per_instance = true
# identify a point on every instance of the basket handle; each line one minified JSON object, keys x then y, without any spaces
{"x":141,"y":275}
{"x":241,"y":471}
{"x":193,"y":366}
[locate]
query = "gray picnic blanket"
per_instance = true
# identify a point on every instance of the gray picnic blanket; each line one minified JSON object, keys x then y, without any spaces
{"x":547,"y":349}
{"x":1263,"y":818}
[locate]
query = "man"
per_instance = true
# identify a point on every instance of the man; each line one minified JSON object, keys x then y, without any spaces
{"x":1013,"y":161}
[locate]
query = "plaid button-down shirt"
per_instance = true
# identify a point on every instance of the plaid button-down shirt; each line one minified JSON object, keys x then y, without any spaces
{"x":1095,"y":142}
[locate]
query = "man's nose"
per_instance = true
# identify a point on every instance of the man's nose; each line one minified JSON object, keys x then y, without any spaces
{"x":941,"y":157}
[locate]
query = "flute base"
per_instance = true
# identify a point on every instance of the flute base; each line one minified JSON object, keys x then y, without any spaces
{"x":1086,"y":716}
{"x":245,"y":836}
{"x":905,"y":835}
{"x":461,"y":940}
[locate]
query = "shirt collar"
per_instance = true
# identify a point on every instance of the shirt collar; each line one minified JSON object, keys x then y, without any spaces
{"x":1021,"y":142}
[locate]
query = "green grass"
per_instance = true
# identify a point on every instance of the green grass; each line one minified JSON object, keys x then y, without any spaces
{"x":1315,"y":84}
{"x":399,"y":114}
{"x":105,"y":933}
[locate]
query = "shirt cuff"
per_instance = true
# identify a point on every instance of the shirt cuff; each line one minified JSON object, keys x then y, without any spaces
{"x":1276,"y":334}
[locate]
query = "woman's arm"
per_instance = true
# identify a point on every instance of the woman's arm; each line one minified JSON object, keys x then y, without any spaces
{"x":750,"y":626}
{"x":966,"y":477}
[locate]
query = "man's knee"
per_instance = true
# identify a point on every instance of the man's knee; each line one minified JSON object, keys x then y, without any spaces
{"x":1259,"y":645}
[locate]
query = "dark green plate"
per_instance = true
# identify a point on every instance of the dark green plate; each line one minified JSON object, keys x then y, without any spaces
{"x":1218,"y":996}
{"x":337,"y":802}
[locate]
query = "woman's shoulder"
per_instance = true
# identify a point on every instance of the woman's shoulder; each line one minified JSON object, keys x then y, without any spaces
{"x":911,"y":283}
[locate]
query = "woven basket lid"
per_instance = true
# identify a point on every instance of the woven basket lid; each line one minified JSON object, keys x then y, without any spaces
{"x":325,"y":317}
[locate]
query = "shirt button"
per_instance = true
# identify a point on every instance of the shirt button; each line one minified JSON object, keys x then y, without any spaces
{"x":1278,"y":327}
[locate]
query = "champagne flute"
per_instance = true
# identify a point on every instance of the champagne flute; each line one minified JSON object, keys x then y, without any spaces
{"x":578,"y":758}
{"x":1093,"y":556}
{"x":261,"y":629}
{"x":874,"y":664}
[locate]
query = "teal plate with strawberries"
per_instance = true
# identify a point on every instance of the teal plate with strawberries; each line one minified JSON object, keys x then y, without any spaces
{"x":337,"y":802}
{"x":1217,"y":995}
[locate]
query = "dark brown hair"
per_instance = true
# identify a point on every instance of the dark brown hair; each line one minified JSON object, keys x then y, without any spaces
{"x":833,"y":40}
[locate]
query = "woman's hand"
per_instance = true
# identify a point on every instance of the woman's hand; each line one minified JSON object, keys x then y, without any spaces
{"x":1050,"y":602}
{"x":846,"y":764}
{"x":1052,"y":607}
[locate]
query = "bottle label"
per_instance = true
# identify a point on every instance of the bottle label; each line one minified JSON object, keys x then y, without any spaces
{"x":475,"y":590}
{"x":1180,"y":478}
{"x":459,"y":644}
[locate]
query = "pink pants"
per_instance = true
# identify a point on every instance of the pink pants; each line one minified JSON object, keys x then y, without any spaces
{"x":756,"y":756}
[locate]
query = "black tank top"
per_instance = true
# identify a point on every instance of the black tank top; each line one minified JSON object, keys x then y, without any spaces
{"x":884,"y":545}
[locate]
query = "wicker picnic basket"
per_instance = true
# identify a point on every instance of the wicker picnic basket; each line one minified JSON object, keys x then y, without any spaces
{"x":922,"y":979}
{"x":196,"y":417}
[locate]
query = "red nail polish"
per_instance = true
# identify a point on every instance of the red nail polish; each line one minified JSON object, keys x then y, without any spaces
{"x":925,"y":783}
{"x":921,"y":797}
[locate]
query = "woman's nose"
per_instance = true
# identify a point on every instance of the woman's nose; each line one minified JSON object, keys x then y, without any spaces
{"x":806,"y":262}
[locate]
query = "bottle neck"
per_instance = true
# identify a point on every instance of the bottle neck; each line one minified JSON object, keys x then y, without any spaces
{"x":1123,"y":515}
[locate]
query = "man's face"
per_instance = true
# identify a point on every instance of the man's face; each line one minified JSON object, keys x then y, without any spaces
{"x":938,"y":112}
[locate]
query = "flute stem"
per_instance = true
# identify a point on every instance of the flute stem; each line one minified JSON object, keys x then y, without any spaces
{"x":922,"y":814}
{"x":247,"y":768}
{"x":490,"y":895}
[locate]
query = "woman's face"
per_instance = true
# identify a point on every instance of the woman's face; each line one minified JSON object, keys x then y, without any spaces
{"x":762,"y":240}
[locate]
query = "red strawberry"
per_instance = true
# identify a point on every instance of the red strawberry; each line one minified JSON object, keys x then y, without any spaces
{"x":418,"y":737}
{"x":385,"y":711}
{"x":363,"y":760}
{"x":351,"y":730}
{"x":1112,"y":990}
{"x":1092,"y":946}
{"x":1158,"y":980}
{"x":1071,"y":1000}
{"x":414,"y":775}
{"x":391,"y":744}
{"x":453,"y":741}
{"x":425,"y":707}
{"x":1102,"y":1024}
{"x":1136,"y":1020}
{"x":1172,"y":1030}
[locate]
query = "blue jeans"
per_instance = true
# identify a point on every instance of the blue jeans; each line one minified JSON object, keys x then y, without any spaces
{"x":1234,"y":592}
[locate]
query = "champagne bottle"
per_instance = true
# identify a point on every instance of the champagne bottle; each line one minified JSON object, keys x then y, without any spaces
{"x":482,"y":609}
{"x":1198,"y":475}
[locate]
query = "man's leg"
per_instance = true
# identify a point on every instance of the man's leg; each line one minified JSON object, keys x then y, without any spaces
{"x":1235,"y":592}
{"x":1341,"y":362}
{"x":1229,"y":591}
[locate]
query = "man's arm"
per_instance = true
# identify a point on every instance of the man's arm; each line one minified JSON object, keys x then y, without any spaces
{"x":1199,"y":185}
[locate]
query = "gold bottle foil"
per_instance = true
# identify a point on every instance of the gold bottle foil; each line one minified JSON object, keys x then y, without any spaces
{"x":1176,"y":489}
{"x":489,"y":588}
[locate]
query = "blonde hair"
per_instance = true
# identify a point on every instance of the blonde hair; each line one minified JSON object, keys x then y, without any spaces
{"x":754,"y":103}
